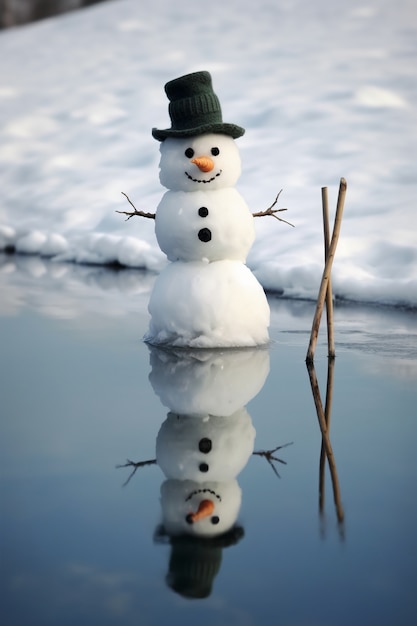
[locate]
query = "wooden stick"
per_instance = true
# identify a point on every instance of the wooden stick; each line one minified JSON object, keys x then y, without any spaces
{"x":135,"y":210}
{"x":326,"y":273}
{"x":329,"y":294}
{"x":271,"y":211}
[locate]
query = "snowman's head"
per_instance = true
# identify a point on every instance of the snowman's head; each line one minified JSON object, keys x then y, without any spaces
{"x":209,"y":161}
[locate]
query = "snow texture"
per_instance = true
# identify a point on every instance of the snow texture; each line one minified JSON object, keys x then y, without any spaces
{"x":323,"y":89}
{"x":206,"y":305}
{"x":223,"y":213}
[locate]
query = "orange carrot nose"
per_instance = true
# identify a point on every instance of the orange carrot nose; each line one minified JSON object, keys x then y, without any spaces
{"x":204,"y":163}
{"x":205,"y":508}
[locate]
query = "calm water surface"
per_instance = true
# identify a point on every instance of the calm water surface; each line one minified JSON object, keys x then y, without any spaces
{"x":81,"y":394}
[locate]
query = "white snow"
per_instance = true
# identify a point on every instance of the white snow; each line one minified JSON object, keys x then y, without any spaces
{"x":206,"y":305}
{"x":226,"y":216}
{"x":324,"y":90}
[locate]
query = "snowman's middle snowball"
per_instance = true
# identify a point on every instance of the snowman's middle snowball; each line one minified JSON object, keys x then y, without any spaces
{"x":209,"y":225}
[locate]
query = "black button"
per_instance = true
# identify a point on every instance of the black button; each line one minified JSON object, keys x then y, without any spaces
{"x":204,"y":235}
{"x":203,"y":211}
{"x":204,"y":445}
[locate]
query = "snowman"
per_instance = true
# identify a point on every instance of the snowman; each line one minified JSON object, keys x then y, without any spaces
{"x":206,"y":296}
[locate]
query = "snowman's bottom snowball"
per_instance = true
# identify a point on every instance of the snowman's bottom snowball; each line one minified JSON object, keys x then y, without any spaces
{"x":208,"y":305}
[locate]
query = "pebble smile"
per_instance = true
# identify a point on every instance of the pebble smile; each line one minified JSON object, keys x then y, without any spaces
{"x":206,"y":490}
{"x":196,"y":180}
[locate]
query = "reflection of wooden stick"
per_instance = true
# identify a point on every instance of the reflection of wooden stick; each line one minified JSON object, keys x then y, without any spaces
{"x":326,"y":442}
{"x":326,"y":273}
{"x":269,"y":456}
{"x":327,"y":414}
{"x":329,"y":294}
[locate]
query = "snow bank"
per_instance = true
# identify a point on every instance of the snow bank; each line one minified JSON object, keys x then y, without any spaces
{"x":323,"y":91}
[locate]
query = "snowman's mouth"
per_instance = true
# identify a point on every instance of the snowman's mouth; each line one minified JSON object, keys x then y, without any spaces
{"x":199,"y":491}
{"x":198,"y":180}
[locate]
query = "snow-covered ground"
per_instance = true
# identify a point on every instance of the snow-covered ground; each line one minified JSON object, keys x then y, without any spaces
{"x":324,"y":90}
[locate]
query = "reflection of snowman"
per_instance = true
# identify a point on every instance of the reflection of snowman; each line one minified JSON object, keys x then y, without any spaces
{"x":201,"y":458}
{"x":202,"y":451}
{"x":206,"y":296}
{"x":207,"y":382}
{"x":194,"y":562}
{"x":201,"y":447}
{"x":205,"y":448}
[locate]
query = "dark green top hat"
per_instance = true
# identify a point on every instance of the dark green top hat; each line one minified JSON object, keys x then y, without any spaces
{"x":194,"y":109}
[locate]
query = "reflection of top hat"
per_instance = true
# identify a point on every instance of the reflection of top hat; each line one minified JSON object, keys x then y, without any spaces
{"x":194,"y":109}
{"x":195,"y":562}
{"x":192,"y":568}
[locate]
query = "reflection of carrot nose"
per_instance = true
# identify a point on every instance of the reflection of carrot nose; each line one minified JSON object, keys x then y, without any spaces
{"x":205,"y":508}
{"x":204,"y":163}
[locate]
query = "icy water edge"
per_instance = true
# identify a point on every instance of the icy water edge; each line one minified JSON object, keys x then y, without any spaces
{"x":81,"y":393}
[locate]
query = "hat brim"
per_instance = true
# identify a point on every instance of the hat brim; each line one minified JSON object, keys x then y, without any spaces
{"x":232,"y":130}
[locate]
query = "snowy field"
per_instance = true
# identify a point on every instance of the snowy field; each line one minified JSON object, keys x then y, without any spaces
{"x":323,"y":89}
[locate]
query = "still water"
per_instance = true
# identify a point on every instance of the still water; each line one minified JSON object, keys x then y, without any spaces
{"x":84,"y":541}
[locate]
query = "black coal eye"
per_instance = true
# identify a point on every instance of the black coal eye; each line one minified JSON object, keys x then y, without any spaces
{"x":215,"y":151}
{"x":203,"y":467}
{"x":215,"y":519}
{"x":189,"y":153}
